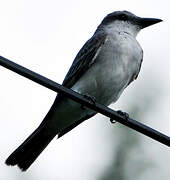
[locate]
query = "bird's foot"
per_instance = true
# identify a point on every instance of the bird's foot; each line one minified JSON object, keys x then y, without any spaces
{"x":124,"y":114}
{"x":92,"y":99}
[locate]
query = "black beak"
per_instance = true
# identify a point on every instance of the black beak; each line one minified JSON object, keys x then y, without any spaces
{"x":145,"y":22}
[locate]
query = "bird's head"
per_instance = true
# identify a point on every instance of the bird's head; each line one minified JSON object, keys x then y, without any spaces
{"x":126,"y":21}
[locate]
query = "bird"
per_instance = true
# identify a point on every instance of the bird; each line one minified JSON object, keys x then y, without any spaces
{"x":106,"y":64}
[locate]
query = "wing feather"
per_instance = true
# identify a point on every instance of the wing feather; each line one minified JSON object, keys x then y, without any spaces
{"x":84,"y":59}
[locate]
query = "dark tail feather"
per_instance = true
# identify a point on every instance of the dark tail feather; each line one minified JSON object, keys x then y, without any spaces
{"x":30,"y":149}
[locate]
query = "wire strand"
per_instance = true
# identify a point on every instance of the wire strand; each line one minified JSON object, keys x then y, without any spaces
{"x":131,"y":123}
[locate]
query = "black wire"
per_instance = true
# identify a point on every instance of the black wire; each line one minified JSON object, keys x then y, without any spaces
{"x":156,"y":135}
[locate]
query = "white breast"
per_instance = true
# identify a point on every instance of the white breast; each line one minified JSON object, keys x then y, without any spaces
{"x":118,"y":60}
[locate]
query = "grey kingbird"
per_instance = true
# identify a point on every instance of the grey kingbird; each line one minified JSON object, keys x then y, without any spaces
{"x":107,"y":63}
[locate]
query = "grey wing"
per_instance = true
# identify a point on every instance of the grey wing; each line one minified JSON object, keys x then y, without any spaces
{"x":82,"y":62}
{"x":84,"y":59}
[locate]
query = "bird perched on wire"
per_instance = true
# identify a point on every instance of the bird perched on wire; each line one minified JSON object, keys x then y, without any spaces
{"x":107,"y":63}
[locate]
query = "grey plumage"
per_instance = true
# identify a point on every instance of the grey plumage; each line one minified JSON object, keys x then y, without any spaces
{"x":108,"y":62}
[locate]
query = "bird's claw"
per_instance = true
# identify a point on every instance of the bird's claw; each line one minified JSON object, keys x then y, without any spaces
{"x":92,"y":99}
{"x":124,"y":114}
